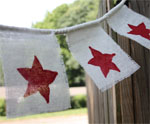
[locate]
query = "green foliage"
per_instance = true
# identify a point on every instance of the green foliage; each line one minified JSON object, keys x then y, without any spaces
{"x":115,"y":1}
{"x":79,"y":12}
{"x":68,"y":15}
{"x":78,"y":101}
{"x":74,"y":71}
{"x":51,"y":19}
{"x":2,"y":107}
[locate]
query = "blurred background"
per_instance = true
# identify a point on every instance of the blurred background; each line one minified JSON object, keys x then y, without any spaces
{"x":51,"y":14}
{"x":127,"y":102}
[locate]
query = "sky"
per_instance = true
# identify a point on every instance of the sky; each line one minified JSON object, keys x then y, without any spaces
{"x":22,"y":13}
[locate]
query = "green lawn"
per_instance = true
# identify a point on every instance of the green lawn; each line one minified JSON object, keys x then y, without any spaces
{"x":53,"y":114}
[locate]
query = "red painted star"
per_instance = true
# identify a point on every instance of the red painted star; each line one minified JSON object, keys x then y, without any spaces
{"x":38,"y":79}
{"x":104,"y":61}
{"x":140,"y":30}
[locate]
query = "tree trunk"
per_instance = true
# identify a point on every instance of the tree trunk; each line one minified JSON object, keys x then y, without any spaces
{"x":128,"y":101}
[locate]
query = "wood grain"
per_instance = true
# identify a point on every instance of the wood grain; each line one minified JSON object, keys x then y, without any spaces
{"x":128,"y":101}
{"x":141,"y":79}
{"x":101,"y":106}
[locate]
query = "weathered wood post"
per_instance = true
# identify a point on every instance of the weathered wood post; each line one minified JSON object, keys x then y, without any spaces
{"x":128,"y":101}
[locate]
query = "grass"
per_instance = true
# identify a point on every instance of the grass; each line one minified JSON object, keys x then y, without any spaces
{"x":69,"y":112}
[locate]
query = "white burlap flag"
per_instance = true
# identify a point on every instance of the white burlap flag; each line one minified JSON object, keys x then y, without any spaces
{"x":34,"y":73}
{"x":132,"y":25}
{"x":100,"y":56}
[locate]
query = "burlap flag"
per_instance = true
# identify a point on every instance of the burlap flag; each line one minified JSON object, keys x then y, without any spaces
{"x":100,"y":56}
{"x":34,"y":73}
{"x":132,"y":25}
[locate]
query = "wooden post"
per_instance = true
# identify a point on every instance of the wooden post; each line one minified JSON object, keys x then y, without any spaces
{"x":101,"y":106}
{"x":128,"y":101}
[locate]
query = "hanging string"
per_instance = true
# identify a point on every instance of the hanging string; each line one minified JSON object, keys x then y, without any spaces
{"x":67,"y":29}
